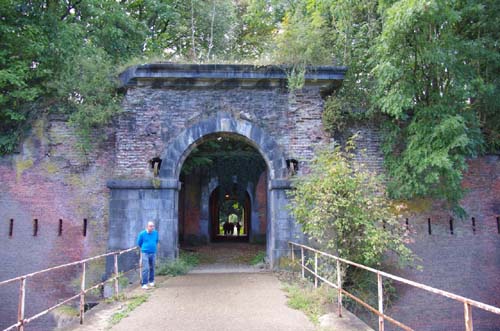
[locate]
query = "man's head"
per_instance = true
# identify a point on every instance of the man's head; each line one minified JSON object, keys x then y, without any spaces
{"x":150,"y":227}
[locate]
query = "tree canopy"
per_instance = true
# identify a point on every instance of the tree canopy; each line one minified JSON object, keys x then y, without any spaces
{"x":426,"y":70}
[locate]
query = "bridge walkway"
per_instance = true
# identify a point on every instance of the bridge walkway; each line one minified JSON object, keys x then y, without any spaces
{"x":214,"y":301}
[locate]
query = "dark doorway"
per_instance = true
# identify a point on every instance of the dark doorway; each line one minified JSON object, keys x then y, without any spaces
{"x":229,"y":216}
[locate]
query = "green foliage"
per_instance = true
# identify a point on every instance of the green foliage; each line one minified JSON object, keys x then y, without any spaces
{"x":313,"y":302}
{"x":258,"y":258}
{"x":20,"y":42}
{"x":181,"y":266}
{"x":132,"y":304}
{"x":428,"y":68}
{"x":58,"y":56}
{"x":302,"y":41}
{"x":422,"y":85}
{"x":90,"y":108}
{"x":343,"y":208}
{"x":339,"y":115}
{"x":480,"y":51}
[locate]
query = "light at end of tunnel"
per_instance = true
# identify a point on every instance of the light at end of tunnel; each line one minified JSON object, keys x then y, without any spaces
{"x":227,"y":196}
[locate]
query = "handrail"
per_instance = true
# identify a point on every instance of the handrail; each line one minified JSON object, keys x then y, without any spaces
{"x":382,"y":317}
{"x":22,"y":320}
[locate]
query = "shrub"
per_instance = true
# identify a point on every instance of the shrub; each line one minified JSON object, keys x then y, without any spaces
{"x":344,"y":209}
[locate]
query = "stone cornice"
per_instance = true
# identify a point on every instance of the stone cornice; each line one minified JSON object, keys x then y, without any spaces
{"x":151,"y":184}
{"x":170,"y":75}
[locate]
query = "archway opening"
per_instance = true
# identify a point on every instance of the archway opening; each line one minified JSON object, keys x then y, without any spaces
{"x":230,"y":217}
{"x":223,"y":196}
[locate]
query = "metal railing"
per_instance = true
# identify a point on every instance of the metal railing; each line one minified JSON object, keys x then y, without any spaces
{"x":468,"y":303}
{"x":22,"y":320}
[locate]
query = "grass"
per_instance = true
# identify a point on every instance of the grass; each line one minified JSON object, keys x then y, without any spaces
{"x":114,"y":298}
{"x":68,"y":310}
{"x":180,"y":266}
{"x":132,"y":303}
{"x":258,"y":258}
{"x":313,"y":302}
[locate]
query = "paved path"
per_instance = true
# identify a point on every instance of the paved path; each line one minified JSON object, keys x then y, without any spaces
{"x":233,"y":301}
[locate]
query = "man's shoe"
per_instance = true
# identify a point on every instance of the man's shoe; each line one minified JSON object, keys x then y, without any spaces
{"x":152,"y":284}
{"x":145,"y":287}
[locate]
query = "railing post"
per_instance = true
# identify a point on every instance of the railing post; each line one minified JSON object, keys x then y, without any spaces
{"x":140,"y":266}
{"x":82,"y":293}
{"x":302,"y":262}
{"x":116,"y":274}
{"x":315,"y":269}
{"x":20,"y":307}
{"x":339,"y":289}
{"x":380,"y":302}
{"x":468,"y":317}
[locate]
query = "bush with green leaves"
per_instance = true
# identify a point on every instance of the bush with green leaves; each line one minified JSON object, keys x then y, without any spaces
{"x":344,"y":209}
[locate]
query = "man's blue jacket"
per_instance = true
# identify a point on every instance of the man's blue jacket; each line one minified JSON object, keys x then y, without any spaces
{"x":147,"y":241}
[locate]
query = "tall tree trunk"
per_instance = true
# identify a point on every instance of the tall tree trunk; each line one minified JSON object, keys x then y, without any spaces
{"x":193,"y":47}
{"x":211,"y":42}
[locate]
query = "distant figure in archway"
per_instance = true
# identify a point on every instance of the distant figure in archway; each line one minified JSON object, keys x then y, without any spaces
{"x":238,"y":228}
{"x":226,"y":228}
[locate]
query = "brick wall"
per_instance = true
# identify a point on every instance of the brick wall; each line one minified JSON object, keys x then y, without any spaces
{"x":50,"y":180}
{"x":153,"y":117}
{"x":465,"y":263}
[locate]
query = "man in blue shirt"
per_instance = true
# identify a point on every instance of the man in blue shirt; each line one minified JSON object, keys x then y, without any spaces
{"x":147,"y":241}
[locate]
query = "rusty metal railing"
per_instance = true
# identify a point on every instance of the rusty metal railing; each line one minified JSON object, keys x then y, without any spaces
{"x":22,"y":320}
{"x":382,"y":317}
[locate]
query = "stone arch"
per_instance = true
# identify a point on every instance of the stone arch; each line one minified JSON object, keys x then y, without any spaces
{"x":180,"y":148}
{"x":280,"y":227}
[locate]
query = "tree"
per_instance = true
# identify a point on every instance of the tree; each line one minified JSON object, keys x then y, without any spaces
{"x":422,"y":85}
{"x":20,"y":43}
{"x":426,"y":71}
{"x":44,"y":44}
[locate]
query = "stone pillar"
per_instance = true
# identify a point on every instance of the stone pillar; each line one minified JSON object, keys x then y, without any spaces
{"x":281,"y":227}
{"x":205,"y":211}
{"x":135,"y":202}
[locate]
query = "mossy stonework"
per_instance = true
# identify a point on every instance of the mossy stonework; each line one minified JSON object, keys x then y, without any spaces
{"x":168,"y":111}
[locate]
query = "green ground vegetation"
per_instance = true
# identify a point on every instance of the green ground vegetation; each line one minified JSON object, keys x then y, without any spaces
{"x":131,"y":304}
{"x":314,"y":302}
{"x":180,"y":266}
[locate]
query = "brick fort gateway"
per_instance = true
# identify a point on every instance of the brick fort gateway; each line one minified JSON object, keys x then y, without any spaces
{"x":169,"y":110}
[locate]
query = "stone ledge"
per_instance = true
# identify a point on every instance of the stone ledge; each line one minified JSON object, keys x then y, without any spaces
{"x":171,"y":75}
{"x":280,"y":184}
{"x":151,"y":184}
